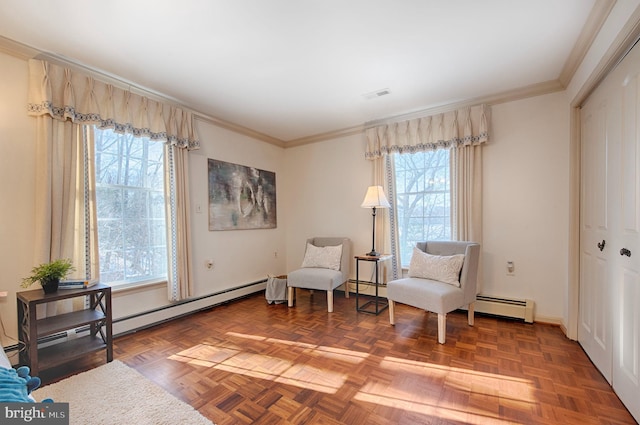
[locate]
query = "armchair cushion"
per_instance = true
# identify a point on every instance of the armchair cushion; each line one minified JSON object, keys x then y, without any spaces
{"x":326,"y":257}
{"x":317,"y":278}
{"x":436,"y":267}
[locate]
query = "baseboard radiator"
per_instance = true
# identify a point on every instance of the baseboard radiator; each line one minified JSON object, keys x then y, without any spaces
{"x":506,"y":307}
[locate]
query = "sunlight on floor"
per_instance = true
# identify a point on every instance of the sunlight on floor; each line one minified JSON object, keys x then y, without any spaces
{"x":448,"y":392}
{"x":233,"y":358}
{"x":318,"y":350}
{"x":445,"y":392}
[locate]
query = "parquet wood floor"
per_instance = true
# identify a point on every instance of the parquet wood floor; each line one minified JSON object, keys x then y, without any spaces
{"x":247,"y":362}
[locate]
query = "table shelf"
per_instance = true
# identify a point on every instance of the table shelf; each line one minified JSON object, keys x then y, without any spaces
{"x":63,"y":322}
{"x":57,"y":354}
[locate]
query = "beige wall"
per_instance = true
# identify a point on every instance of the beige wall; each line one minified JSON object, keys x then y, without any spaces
{"x":525,"y":203}
{"x":240,"y":256}
{"x":17,"y":158}
{"x":325,"y":185}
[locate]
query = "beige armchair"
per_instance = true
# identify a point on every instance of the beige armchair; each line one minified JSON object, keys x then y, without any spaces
{"x":437,"y":296}
{"x":322,"y":278}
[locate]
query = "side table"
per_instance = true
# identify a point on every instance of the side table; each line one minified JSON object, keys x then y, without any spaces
{"x":380,"y":305}
{"x":97,"y":316}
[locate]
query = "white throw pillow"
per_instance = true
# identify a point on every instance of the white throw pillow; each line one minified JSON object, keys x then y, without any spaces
{"x":436,"y":267}
{"x":325,"y":257}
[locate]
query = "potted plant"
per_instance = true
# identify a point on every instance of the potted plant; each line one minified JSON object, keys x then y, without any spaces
{"x":49,"y":274}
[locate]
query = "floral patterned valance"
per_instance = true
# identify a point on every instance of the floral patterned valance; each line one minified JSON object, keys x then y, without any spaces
{"x":67,"y":94}
{"x":467,"y":126}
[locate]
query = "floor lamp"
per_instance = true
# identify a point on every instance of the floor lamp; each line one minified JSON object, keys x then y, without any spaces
{"x":375,"y":198}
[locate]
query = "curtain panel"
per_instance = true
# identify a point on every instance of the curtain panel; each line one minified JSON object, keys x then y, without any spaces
{"x":65,"y":203}
{"x":65,"y":101}
{"x":65,"y":94}
{"x":461,"y":127}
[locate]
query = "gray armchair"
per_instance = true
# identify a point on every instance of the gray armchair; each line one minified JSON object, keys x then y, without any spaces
{"x":322,"y":279}
{"x":439,"y":297}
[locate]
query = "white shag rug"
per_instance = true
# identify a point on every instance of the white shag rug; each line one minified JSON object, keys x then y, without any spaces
{"x":115,"y":394}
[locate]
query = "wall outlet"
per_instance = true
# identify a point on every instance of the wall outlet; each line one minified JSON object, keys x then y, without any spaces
{"x":208,"y":264}
{"x":4,"y":294}
{"x":510,"y":268}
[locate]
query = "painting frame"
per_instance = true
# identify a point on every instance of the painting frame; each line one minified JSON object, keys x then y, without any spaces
{"x":240,"y":197}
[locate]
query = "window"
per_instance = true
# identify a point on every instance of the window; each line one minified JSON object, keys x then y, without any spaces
{"x":132,"y":236}
{"x":423,"y":199}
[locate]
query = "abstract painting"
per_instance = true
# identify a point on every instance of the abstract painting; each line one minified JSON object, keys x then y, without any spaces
{"x":241,"y":197}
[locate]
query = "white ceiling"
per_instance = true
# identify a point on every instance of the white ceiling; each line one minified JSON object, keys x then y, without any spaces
{"x":293,"y":69}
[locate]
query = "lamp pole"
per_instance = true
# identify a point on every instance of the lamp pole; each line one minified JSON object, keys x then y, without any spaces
{"x":373,"y":252}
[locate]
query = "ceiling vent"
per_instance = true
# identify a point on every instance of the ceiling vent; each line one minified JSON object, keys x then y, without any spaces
{"x":377,"y":93}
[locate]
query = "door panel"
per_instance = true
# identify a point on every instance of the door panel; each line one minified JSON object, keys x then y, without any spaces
{"x":595,"y":324}
{"x":626,"y":366}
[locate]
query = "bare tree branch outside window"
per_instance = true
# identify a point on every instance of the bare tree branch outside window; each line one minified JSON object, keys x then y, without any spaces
{"x":131,"y":207}
{"x":423,"y":199}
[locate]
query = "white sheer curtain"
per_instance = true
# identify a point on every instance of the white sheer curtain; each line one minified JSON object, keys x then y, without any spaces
{"x":179,"y":235}
{"x":463,"y":131}
{"x":65,"y":204}
{"x":64,"y":100}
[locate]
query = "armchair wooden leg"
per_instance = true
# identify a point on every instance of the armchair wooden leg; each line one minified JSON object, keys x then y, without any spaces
{"x":330,"y":301}
{"x":442,"y":327}
{"x":470,"y":313}
{"x":392,"y":318}
{"x":290,"y":296}
{"x":346,"y":289}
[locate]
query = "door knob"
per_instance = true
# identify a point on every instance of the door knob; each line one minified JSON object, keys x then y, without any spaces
{"x":625,"y":251}
{"x":601,"y":245}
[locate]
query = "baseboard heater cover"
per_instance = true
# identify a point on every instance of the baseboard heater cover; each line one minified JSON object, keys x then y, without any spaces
{"x":506,"y":307}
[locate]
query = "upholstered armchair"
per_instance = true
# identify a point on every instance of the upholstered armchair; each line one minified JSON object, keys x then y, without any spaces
{"x":442,"y":277}
{"x":325,"y":267}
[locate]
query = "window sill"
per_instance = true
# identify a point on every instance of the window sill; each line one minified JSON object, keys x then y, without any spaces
{"x":124,"y":287}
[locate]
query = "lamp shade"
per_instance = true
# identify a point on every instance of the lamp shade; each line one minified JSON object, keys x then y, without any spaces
{"x":375,"y":198}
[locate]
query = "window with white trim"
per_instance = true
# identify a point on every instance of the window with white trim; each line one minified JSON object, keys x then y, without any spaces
{"x":423,"y":199}
{"x":130,"y":197}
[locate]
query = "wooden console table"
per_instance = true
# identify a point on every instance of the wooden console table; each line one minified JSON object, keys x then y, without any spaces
{"x":97,"y":317}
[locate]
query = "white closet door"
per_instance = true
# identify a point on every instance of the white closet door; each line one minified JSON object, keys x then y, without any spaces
{"x":595,"y":322}
{"x":626,"y":360}
{"x":609,"y":328}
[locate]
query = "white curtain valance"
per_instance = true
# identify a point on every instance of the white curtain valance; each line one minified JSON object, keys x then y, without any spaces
{"x":65,"y":94}
{"x":462,"y":127}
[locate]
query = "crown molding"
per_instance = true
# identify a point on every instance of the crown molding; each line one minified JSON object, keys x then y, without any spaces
{"x":19,"y":50}
{"x":596,"y":19}
{"x":25,"y":52}
{"x":533,"y":90}
{"x":494,"y":99}
{"x":236,"y":128}
{"x":343,"y":132}
{"x":594,"y":23}
{"x":619,"y":48}
{"x":22,"y":51}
